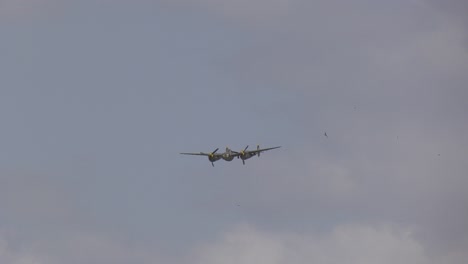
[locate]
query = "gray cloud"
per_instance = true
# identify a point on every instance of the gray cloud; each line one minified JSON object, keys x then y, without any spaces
{"x":94,"y":114}
{"x":406,"y":79}
{"x":11,"y":256}
{"x":244,"y":12}
{"x":351,"y":244}
{"x":27,"y":9}
{"x":78,"y":248}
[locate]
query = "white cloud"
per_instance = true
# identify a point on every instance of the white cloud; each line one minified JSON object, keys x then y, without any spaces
{"x":359,"y":244}
{"x":77,"y":248}
{"x":344,"y":244}
{"x":95,"y":248}
{"x":243,"y":245}
{"x":10,"y":256}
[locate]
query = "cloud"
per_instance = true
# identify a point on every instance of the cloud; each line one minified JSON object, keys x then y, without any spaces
{"x":241,"y":11}
{"x":94,"y":248}
{"x":10,"y":256}
{"x":403,"y":65}
{"x":355,"y":48}
{"x":458,"y":8}
{"x":77,"y":248}
{"x":244,"y":244}
{"x":26,"y":9}
{"x":376,"y":177}
{"x":29,"y":194}
{"x":344,"y":244}
{"x":407,"y":79}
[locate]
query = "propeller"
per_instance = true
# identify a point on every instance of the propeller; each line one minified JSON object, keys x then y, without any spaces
{"x":243,"y":153}
{"x":212,"y":153}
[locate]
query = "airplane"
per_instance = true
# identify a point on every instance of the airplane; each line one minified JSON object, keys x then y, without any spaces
{"x":247,"y":154}
{"x":228,"y":155}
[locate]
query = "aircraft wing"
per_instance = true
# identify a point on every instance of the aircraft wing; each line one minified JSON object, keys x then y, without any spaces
{"x":235,"y":154}
{"x":261,"y":150}
{"x":198,"y":154}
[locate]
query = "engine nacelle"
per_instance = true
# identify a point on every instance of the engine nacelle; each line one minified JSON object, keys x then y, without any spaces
{"x":213,"y":158}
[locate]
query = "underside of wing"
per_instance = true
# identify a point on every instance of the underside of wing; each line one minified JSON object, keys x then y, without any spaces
{"x":265,"y":149}
{"x":269,"y":148}
{"x":196,"y":154}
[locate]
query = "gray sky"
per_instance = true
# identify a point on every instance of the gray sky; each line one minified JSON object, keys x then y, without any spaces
{"x":97,"y":98}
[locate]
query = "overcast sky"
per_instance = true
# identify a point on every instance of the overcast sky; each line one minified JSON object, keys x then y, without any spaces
{"x":98,"y":97}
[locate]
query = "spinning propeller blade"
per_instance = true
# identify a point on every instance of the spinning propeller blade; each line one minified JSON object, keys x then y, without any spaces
{"x":242,"y":152}
{"x":212,"y":153}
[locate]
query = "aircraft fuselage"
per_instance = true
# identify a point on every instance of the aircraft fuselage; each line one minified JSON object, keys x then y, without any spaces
{"x":228,"y":155}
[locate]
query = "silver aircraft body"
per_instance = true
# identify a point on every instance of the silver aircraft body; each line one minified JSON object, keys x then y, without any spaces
{"x":228,"y":155}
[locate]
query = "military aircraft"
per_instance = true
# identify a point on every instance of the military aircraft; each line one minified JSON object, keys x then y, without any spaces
{"x":247,"y":154}
{"x":228,"y":155}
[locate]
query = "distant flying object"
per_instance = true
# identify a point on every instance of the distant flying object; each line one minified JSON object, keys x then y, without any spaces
{"x":247,"y":154}
{"x":325,"y":134}
{"x":228,"y":155}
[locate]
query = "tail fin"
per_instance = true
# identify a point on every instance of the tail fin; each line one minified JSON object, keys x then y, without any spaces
{"x":258,"y":153}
